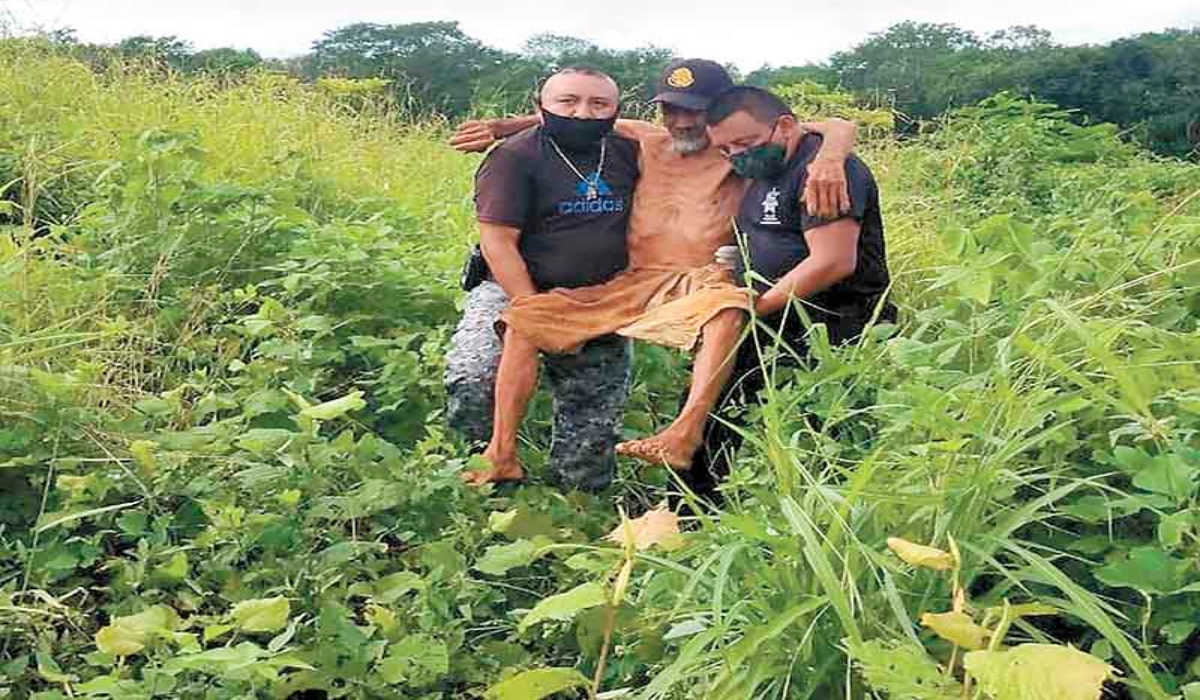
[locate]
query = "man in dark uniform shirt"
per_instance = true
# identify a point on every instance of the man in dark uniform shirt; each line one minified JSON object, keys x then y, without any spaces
{"x":553,"y":207}
{"x":836,"y":269}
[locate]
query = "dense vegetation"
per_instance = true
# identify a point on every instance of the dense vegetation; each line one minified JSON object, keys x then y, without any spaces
{"x":1147,"y":84}
{"x":223,"y":472}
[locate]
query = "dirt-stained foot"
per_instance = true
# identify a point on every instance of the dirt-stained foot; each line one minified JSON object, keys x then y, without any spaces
{"x":660,"y":449}
{"x":501,"y":471}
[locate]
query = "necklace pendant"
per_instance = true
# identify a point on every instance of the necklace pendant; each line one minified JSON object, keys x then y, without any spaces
{"x":592,"y":191}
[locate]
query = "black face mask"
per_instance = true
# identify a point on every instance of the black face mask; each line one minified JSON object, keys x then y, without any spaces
{"x":576,"y":134}
{"x":765,"y":161}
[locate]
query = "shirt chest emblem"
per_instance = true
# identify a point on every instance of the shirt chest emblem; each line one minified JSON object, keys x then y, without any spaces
{"x":770,"y":207}
{"x":592,"y":196}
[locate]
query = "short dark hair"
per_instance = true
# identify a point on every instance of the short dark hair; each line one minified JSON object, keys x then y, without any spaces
{"x":761,"y":104}
{"x":575,"y":69}
{"x":583,"y":70}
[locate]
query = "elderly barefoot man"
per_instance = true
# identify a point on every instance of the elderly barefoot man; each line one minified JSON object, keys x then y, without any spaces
{"x":671,"y":293}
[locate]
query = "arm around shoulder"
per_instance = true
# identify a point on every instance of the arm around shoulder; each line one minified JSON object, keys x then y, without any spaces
{"x":477,"y":135}
{"x":825,"y":191}
{"x":637,"y":130}
{"x":839,"y":137}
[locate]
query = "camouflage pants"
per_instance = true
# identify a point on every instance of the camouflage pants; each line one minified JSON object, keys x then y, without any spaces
{"x":589,"y":391}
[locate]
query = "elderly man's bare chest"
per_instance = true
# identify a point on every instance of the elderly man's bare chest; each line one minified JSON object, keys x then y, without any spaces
{"x":692,"y":193}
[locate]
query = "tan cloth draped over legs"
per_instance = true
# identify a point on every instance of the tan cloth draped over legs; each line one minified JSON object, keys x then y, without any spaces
{"x":662,"y":305}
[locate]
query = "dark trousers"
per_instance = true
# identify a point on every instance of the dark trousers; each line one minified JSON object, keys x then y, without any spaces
{"x":712,"y":462}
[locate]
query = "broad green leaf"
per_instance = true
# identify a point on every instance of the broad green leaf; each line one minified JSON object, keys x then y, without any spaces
{"x":383,"y":618}
{"x":418,"y":659}
{"x":110,"y":687}
{"x":76,"y":486}
{"x":211,"y":632}
{"x":903,"y":670}
{"x":1191,"y":691}
{"x":594,"y":562}
{"x":1178,"y":632}
{"x":423,"y":651}
{"x":566,"y":606}
{"x":1038,"y":672}
{"x":1098,"y":509}
{"x":389,"y":588}
{"x":261,"y":614}
{"x":223,"y":658}
{"x":1147,"y":569}
{"x":1090,"y":544}
{"x":143,"y":454}
{"x":1168,"y":475}
{"x":174,"y":570}
{"x":500,"y":558}
{"x":188,"y":642}
{"x":519,"y":523}
{"x":976,"y":285}
{"x":302,"y":403}
{"x":1173,"y":528}
{"x":537,"y":684}
{"x":1088,"y":608}
{"x":128,"y":635}
{"x":1102,"y":649}
{"x":49,"y":669}
{"x":264,"y":441}
{"x":1131,"y":459}
{"x":288,"y":661}
{"x":921,"y":555}
{"x":156,"y":618}
{"x":957,"y":628}
{"x":281,"y":640}
{"x":391,"y":670}
{"x":686,"y":628}
{"x":120,"y":641}
{"x":153,"y":407}
{"x":335,"y":408}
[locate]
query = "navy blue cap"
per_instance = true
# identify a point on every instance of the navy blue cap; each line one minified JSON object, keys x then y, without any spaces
{"x":692,"y":83}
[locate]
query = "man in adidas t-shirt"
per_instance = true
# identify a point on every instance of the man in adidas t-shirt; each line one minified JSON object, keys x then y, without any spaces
{"x":553,"y":205}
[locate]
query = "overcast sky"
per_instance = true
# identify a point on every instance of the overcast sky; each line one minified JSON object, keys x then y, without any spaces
{"x":747,"y":33}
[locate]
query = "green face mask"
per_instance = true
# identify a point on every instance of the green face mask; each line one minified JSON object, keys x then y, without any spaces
{"x":763,"y":162}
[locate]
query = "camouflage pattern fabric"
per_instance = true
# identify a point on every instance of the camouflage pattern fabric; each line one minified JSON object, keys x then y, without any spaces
{"x":589,"y":391}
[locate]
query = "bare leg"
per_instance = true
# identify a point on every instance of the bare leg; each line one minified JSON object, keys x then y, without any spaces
{"x":516,"y":380}
{"x":713,"y":365}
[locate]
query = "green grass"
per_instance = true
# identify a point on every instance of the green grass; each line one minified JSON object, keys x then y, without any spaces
{"x":186,"y":263}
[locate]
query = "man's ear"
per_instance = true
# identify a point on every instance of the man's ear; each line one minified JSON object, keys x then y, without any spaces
{"x":789,"y":127}
{"x":535,"y":101}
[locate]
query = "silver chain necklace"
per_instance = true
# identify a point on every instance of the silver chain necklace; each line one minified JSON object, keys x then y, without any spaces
{"x":593,"y":183}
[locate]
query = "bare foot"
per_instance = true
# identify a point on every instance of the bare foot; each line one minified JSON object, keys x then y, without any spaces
{"x":665,"y":448}
{"x":502,"y":470}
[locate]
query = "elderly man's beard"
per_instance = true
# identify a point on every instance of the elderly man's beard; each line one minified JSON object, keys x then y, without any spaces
{"x":689,"y":141}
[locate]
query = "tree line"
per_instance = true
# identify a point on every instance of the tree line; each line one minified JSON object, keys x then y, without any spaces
{"x":1147,"y":84}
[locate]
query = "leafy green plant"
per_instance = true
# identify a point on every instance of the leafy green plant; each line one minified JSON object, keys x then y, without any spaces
{"x":223,"y":308}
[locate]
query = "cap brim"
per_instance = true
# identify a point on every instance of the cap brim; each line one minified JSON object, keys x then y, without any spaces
{"x":686,"y":100}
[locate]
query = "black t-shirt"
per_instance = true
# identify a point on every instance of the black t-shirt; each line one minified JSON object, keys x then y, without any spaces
{"x":567,"y":239}
{"x":773,"y":220}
